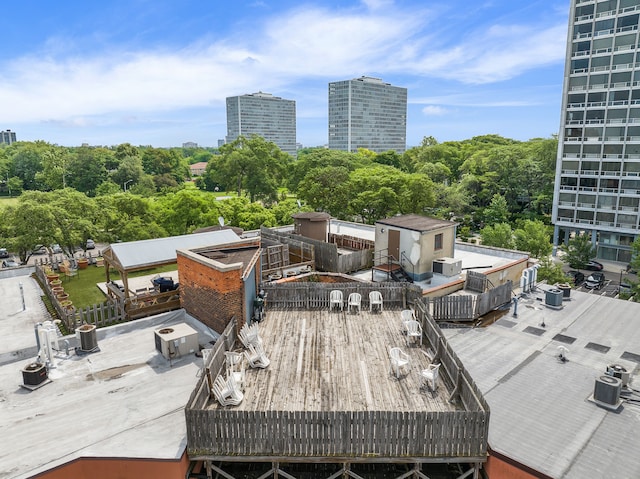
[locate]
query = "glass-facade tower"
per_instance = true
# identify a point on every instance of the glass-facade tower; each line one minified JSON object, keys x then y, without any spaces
{"x":597,"y":188}
{"x":263,"y":114}
{"x":367,"y":113}
{"x":7,"y":137}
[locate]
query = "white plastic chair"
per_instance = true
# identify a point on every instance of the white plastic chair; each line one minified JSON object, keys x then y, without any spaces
{"x":250,"y":334}
{"x":354,"y":301}
{"x":335,"y":299}
{"x":235,"y":367}
{"x":430,"y":375}
{"x":414,"y":330}
{"x":399,"y":359}
{"x":227,"y":392}
{"x":375,"y":299}
{"x":256,"y":356}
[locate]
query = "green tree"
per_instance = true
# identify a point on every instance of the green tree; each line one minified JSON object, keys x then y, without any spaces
{"x":497,"y":211}
{"x":550,"y":272}
{"x":499,"y":235}
{"x":86,"y":169}
{"x":182,"y":212}
{"x":326,"y":189}
{"x":252,"y":164}
{"x":579,"y":251}
{"x":534,"y":237}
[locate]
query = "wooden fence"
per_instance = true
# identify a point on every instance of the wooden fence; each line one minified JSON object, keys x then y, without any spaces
{"x":221,"y":434}
{"x":326,"y":255}
{"x":452,"y":371}
{"x":312,"y":295}
{"x":469,"y":307}
{"x":114,"y":311}
{"x":476,"y":282}
{"x":228,"y":434}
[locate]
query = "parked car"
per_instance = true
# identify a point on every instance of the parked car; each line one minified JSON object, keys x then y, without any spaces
{"x":624,"y":288}
{"x":56,"y":249}
{"x":39,"y":249}
{"x":595,"y":281}
{"x":9,"y":263}
{"x":576,"y":277}
{"x":90,"y":244}
{"x":593,"y":265}
{"x":4,"y":253}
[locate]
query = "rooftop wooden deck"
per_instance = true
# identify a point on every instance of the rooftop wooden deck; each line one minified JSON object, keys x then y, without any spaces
{"x":337,"y":361}
{"x":329,"y":394}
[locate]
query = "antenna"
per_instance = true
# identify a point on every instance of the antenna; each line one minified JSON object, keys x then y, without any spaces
{"x":221,"y":220}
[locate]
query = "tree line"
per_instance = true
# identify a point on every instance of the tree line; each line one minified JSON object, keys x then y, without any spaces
{"x":125,"y":193}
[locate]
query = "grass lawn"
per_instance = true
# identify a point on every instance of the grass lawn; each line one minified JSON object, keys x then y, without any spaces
{"x":8,"y":201}
{"x":82,"y":288}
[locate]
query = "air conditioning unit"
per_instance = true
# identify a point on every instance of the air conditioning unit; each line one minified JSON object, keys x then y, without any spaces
{"x":34,"y":374}
{"x":607,"y":392}
{"x":87,"y":339}
{"x":447,"y":266}
{"x":177,"y":340}
{"x":553,"y":297}
{"x":618,"y":371}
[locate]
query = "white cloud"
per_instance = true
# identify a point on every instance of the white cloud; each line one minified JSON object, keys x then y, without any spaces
{"x":290,"y":48}
{"x":434,"y":110}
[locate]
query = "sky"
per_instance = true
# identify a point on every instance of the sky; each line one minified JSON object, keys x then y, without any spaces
{"x":157,"y":72}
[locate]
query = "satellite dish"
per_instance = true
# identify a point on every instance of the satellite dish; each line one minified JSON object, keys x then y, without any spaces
{"x":221,"y":220}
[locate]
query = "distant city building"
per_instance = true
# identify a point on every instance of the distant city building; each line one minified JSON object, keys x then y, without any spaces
{"x":367,"y":113}
{"x":597,"y":187}
{"x":263,"y":114}
{"x":221,"y":143}
{"x":7,"y":137}
{"x":190,"y":144}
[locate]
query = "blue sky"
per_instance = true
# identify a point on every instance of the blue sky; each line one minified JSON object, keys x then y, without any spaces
{"x":157,"y":72}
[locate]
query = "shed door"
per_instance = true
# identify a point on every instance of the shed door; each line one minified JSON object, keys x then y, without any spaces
{"x":394,"y":244}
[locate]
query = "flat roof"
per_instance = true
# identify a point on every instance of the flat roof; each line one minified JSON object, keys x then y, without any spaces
{"x":540,"y":413}
{"x":416,"y":222}
{"x":336,"y":361}
{"x":124,"y":401}
{"x":134,"y":254}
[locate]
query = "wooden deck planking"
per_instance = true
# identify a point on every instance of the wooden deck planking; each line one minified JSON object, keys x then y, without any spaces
{"x":322,"y":361}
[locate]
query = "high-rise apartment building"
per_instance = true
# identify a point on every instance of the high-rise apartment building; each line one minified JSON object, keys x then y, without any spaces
{"x":367,"y":113}
{"x":7,"y":137}
{"x":597,"y":188}
{"x":263,"y":114}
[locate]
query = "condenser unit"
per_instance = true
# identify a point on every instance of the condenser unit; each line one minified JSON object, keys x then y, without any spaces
{"x":607,"y":392}
{"x":447,"y":266}
{"x":87,"y":339}
{"x":176,"y":340}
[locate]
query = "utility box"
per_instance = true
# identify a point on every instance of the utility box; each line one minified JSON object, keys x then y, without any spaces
{"x":177,"y":340}
{"x":447,"y":266}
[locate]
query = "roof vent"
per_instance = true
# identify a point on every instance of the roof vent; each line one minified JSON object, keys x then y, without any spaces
{"x":607,"y":392}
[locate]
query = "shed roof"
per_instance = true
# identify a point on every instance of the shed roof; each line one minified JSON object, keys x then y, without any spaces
{"x":312,"y":216}
{"x":416,"y":222}
{"x":137,"y":254}
{"x":540,"y":413}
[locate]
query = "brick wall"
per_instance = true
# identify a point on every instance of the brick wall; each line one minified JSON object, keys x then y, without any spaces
{"x":211,"y":296}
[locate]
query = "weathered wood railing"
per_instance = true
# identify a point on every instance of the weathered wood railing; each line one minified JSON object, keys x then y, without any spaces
{"x":315,"y":295}
{"x":340,"y":435}
{"x":228,"y":434}
{"x":453,"y":372}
